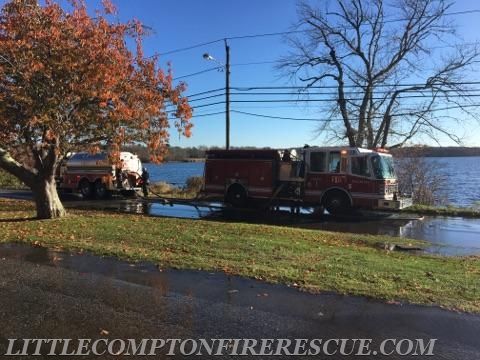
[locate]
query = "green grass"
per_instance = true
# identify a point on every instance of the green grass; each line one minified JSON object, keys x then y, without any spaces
{"x":444,"y":211}
{"x":313,"y":260}
{"x":9,"y":181}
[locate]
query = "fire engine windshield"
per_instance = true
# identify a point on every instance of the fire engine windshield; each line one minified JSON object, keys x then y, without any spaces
{"x":383,"y":167}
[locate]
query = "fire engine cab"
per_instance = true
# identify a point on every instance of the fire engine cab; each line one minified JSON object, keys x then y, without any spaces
{"x":95,"y":175}
{"x":335,"y":178}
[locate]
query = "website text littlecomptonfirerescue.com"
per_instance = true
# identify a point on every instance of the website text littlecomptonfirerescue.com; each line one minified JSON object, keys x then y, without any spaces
{"x":220,"y":347}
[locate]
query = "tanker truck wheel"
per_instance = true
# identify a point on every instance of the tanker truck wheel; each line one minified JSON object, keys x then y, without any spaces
{"x":85,"y":189}
{"x":100,"y":190}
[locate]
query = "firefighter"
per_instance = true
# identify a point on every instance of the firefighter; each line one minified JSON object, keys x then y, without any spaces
{"x":286,"y":156}
{"x":301,"y":169}
{"x":120,"y":176}
{"x":145,"y":181}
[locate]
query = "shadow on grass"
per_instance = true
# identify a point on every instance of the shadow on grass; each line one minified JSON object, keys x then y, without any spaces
{"x":18,"y":220}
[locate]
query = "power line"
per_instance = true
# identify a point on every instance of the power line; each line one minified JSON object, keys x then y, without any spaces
{"x":346,"y":92}
{"x":198,"y":72}
{"x":186,"y":48}
{"x":465,"y":12}
{"x":309,"y":100}
{"x":223,"y":39}
{"x":207,"y":97}
{"x":205,"y":92}
{"x":250,"y":88}
{"x":276,"y":106}
{"x":253,"y":36}
{"x":264,"y":35}
{"x":255,"y":63}
{"x":247,"y":90}
{"x":172,"y":106}
{"x":417,"y":94}
{"x":347,"y":99}
{"x":282,"y":117}
{"x":284,"y":101}
{"x":272,"y":101}
{"x":440,"y":109}
{"x":211,"y":104}
{"x":405,"y":113}
{"x":276,"y":61}
{"x":340,"y":120}
{"x":209,"y":114}
{"x":313,"y":97}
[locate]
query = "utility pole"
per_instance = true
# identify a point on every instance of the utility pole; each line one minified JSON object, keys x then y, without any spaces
{"x":227,"y":96}
{"x":226,"y":68}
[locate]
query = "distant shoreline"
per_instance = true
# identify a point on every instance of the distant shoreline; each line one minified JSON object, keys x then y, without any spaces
{"x":196,"y":160}
{"x":191,"y":160}
{"x":450,"y":151}
{"x":187,"y":154}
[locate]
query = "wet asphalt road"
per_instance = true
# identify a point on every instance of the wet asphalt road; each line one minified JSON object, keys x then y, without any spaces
{"x":47,"y":294}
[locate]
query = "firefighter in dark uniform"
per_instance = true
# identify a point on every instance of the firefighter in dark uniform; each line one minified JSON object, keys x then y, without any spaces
{"x":119,"y":174}
{"x":145,"y":181}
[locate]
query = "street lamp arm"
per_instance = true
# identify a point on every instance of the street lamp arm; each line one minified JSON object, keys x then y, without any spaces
{"x":209,"y":57}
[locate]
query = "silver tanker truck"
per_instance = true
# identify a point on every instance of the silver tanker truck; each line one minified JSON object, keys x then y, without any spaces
{"x":95,"y":175}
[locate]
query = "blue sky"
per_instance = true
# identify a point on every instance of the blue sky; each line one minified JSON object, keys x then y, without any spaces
{"x":179,"y":24}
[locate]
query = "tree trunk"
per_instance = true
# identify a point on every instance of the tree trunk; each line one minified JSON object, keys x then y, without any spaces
{"x":46,"y":198}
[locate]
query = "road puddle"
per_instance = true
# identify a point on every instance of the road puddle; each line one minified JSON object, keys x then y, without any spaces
{"x":212,"y":286}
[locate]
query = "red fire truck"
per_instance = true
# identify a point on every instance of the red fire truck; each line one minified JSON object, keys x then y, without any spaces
{"x":95,"y":175}
{"x":336,"y":178}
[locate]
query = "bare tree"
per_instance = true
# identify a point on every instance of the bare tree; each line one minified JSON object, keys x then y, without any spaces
{"x":391,"y":66}
{"x":421,"y":177}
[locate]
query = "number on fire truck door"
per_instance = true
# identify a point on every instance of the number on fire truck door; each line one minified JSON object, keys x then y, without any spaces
{"x":336,"y":179}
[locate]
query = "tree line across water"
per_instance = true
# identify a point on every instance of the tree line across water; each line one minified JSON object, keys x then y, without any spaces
{"x":176,"y":153}
{"x":428,"y":151}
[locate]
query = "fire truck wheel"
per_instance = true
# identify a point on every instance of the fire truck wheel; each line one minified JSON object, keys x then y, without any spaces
{"x":237,"y":196}
{"x":85,"y":188}
{"x":336,"y":202}
{"x":100,"y":190}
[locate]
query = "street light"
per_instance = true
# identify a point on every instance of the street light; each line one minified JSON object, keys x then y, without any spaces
{"x":209,"y":57}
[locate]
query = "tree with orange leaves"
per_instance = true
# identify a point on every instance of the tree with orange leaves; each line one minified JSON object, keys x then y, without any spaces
{"x":68,"y":82}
